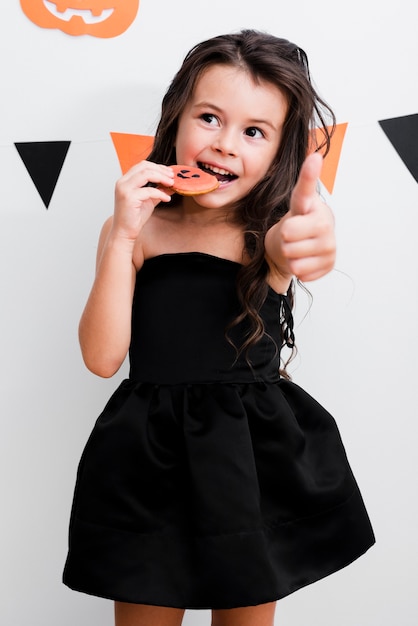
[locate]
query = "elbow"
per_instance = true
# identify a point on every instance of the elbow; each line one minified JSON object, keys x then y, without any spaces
{"x":103,"y":367}
{"x":102,"y":358}
{"x":103,"y":372}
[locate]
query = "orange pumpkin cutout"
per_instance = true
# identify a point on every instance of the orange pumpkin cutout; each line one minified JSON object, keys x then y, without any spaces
{"x":98,"y":18}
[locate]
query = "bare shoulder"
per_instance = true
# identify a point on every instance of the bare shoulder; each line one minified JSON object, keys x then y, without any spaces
{"x":151,"y":240}
{"x":157,"y":235}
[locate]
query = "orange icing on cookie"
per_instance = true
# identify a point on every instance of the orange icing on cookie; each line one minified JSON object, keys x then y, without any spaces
{"x":192,"y":181}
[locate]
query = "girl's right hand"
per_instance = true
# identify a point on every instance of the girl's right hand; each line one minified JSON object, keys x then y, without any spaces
{"x":135,"y":201}
{"x":105,"y":326}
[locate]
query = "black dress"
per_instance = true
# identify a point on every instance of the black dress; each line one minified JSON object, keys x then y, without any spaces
{"x":207,"y":483}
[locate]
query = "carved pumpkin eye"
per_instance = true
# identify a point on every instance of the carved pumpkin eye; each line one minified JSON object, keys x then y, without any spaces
{"x":98,"y":18}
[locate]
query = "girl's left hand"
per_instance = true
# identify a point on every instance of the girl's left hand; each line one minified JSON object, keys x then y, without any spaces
{"x":303,"y":243}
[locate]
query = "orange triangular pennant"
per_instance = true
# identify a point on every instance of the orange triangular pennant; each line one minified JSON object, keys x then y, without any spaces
{"x":330,"y":166}
{"x":131,"y":148}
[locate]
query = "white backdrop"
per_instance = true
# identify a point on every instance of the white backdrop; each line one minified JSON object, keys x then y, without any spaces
{"x":357,"y":342}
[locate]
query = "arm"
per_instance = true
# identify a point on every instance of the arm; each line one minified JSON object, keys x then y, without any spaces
{"x":302,"y":243}
{"x":105,"y":325}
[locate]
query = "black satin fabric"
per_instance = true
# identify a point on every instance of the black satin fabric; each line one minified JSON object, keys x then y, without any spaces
{"x":207,"y":483}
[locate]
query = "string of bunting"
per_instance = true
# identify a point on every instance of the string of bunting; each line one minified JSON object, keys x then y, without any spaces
{"x":44,"y":160}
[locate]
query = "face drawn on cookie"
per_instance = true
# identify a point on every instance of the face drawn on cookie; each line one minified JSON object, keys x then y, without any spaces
{"x":192,"y":181}
{"x":187,"y":174}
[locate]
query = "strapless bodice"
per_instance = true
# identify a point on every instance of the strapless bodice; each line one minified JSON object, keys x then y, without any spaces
{"x":183,"y":304}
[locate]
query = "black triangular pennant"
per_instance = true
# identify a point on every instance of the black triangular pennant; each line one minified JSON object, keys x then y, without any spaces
{"x":402,"y":132}
{"x":44,"y":161}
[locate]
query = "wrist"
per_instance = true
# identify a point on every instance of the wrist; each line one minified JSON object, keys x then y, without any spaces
{"x":116,"y":250}
{"x":119,"y":243}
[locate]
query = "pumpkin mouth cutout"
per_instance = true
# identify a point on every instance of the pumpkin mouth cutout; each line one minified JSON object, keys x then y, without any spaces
{"x":86,"y":15}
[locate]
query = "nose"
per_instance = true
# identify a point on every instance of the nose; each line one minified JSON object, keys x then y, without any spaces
{"x":226,"y":142}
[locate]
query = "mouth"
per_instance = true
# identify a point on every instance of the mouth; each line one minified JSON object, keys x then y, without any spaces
{"x":87,"y":15}
{"x":223,"y":176}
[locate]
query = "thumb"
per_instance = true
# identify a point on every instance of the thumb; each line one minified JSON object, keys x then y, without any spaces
{"x":305,"y":190}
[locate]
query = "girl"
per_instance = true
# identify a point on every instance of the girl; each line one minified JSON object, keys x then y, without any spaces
{"x":210,"y":480}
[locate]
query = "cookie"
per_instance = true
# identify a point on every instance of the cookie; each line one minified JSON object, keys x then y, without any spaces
{"x":192,"y":181}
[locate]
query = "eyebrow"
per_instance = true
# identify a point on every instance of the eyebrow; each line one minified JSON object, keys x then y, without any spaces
{"x":205,"y":104}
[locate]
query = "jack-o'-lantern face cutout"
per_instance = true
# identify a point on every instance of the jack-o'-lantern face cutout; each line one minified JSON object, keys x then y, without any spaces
{"x":98,"y":18}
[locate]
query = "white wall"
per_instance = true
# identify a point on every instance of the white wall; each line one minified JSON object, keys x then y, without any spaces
{"x":357,"y":344}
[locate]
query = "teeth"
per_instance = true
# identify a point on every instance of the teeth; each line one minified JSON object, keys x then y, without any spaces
{"x":216,"y":170}
{"x":66,"y":14}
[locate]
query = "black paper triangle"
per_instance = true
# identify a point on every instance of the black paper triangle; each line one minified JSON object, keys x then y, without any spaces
{"x":44,"y":161}
{"x":402,"y":132}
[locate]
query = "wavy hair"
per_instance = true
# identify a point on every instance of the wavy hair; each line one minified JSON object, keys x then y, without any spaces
{"x":285,"y":65}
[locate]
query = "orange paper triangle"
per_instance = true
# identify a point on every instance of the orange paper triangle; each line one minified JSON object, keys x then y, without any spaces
{"x":330,"y":166}
{"x":134,"y":148}
{"x":131,"y":149}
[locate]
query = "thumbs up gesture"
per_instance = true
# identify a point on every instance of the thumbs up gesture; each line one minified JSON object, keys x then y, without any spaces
{"x":302,"y":243}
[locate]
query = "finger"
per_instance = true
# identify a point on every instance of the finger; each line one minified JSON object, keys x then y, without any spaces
{"x":305,"y":191}
{"x":319,"y":223}
{"x":137,"y":197}
{"x":147,"y":172}
{"x":311,"y":268}
{"x":155,"y":194}
{"x":305,"y":248}
{"x":298,"y":227}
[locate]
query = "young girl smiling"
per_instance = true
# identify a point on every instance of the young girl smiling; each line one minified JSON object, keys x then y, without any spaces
{"x":211,"y":480}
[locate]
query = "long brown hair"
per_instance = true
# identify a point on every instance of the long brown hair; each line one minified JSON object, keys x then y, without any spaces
{"x":285,"y":65}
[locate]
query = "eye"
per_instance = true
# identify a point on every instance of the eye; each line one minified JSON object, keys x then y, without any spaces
{"x":254,"y":132}
{"x":209,"y":118}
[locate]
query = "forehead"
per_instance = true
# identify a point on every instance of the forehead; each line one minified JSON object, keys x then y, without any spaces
{"x":228,"y":83}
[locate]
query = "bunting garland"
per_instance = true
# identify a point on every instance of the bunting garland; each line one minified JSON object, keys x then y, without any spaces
{"x":44,"y":159}
{"x":331,"y":161}
{"x":131,"y":149}
{"x":402,"y":132}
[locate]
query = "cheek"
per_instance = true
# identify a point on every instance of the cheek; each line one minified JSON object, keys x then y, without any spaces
{"x":187,"y":144}
{"x":269,"y":159}
{"x":179,"y":150}
{"x":259,"y":166}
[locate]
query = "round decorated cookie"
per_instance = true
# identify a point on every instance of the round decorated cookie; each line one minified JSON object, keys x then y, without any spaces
{"x":192,"y":181}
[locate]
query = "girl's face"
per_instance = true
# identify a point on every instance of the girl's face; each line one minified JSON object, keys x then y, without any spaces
{"x":232,"y":127}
